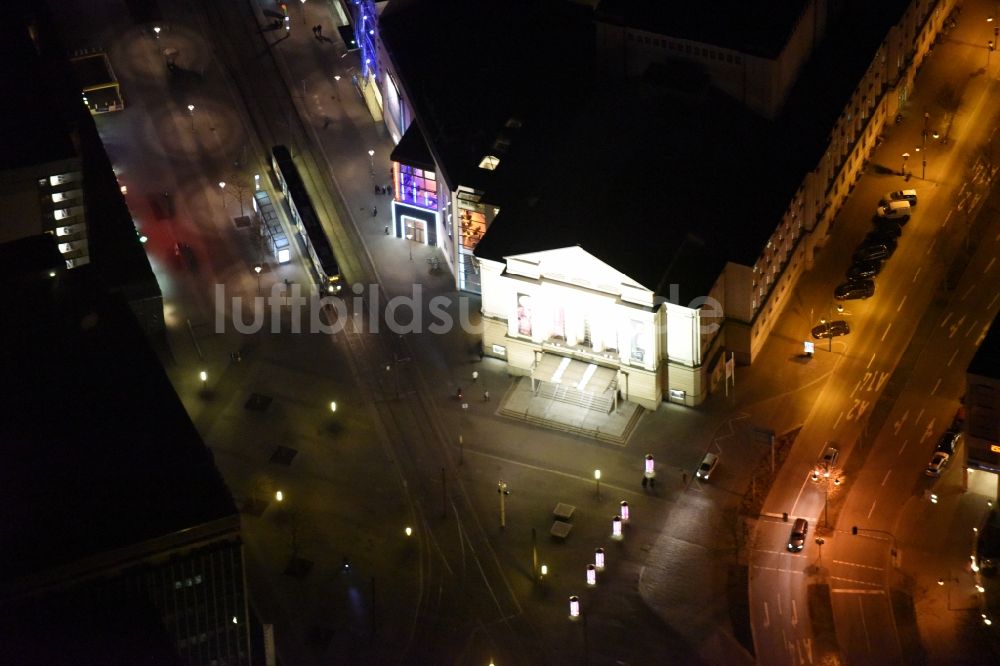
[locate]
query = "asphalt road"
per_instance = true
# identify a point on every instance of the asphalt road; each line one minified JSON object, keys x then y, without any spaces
{"x":860,"y":569}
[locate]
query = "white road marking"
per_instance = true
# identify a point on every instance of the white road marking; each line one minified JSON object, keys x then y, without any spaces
{"x":953,"y":355}
{"x":856,"y":581}
{"x":936,"y":386}
{"x":794,"y":571}
{"x":886,"y":477}
{"x":930,"y":429}
{"x":982,"y":334}
{"x":809,"y":649}
{"x":886,"y":331}
{"x":918,"y":417}
{"x":871,"y":361}
{"x":990,"y":265}
{"x":899,"y":424}
{"x":946,"y":218}
{"x":860,"y":566}
{"x":995,"y":297}
{"x":954,"y":327}
{"x":864,"y":625}
{"x":858,"y":409}
{"x":901,"y":303}
{"x":767,"y":616}
{"x":871,"y":510}
{"x":962,"y":189}
{"x":945,"y":320}
{"x":795,"y":614}
{"x":848,"y":590}
{"x":917,"y":273}
{"x":931,"y":246}
{"x":968,"y":291}
{"x":902,"y":447}
{"x":971,"y":328}
{"x":837,"y":422}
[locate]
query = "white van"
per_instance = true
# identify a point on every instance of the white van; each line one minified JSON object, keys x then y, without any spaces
{"x":894,"y":210}
{"x":901,"y":195}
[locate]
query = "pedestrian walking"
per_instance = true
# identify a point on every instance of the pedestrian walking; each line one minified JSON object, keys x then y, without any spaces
{"x":645,"y":482}
{"x":486,"y":396}
{"x":314,"y":32}
{"x":684,"y":478}
{"x":387,"y":230}
{"x":378,"y":189}
{"x":374,"y":211}
{"x":319,"y":31}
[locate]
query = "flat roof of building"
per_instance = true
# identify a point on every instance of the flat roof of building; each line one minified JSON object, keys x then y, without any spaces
{"x":505,"y":60}
{"x":98,"y":451}
{"x":986,"y":362}
{"x":758,"y":27}
{"x":664,"y":187}
{"x":92,"y":70}
{"x":31,"y":132}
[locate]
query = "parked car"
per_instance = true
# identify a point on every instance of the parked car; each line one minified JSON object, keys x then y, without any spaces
{"x":895,"y":210}
{"x":708,"y":465}
{"x":864,"y":269}
{"x":831,"y":329}
{"x":881,"y":237}
{"x":887,"y":227}
{"x":909,"y":196}
{"x":863,"y":288}
{"x":869,"y":252}
{"x":937,"y":463}
{"x":797,"y":539}
{"x":949,"y":440}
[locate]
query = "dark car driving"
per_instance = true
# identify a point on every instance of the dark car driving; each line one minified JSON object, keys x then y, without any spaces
{"x":855,"y":289}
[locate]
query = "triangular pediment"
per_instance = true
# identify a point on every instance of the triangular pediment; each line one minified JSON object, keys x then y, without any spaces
{"x":572,"y":265}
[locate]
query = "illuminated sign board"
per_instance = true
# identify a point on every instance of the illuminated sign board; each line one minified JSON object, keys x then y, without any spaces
{"x":995,"y":448}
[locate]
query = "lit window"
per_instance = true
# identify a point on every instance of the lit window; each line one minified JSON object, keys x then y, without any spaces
{"x":489,"y":162}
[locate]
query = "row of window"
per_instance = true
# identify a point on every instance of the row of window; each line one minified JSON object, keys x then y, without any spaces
{"x":687,"y":49}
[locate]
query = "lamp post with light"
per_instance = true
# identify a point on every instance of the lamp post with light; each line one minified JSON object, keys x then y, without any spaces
{"x":191,"y":113}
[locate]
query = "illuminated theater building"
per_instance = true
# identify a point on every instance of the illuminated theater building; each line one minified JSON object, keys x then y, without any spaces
{"x":649,"y":227}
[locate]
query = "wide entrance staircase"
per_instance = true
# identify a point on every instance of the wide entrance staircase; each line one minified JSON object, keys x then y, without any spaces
{"x":572,"y":396}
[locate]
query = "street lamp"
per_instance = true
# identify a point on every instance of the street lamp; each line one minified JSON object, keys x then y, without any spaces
{"x":906,"y":156}
{"x":222,"y":189}
{"x":599,"y":559}
{"x":503,"y":492}
{"x":371,"y":159}
{"x":409,"y":237}
{"x":156,"y":29}
{"x":597,"y":478}
{"x":279,"y":496}
{"x":256,"y":182}
{"x":191,"y":113}
{"x":333,"y":406}
{"x":591,"y":575}
{"x":203,"y":376}
{"x":623,"y":511}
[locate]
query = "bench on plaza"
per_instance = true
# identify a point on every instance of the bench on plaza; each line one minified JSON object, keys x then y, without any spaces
{"x":560,"y":529}
{"x":563,"y":511}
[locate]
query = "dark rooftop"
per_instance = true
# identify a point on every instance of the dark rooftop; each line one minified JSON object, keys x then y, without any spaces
{"x":663,"y":187}
{"x":92,"y":70}
{"x":504,"y":59}
{"x":986,"y":362}
{"x":758,"y":27}
{"x":31,"y":132}
{"x":98,"y":451}
{"x":412,"y":149}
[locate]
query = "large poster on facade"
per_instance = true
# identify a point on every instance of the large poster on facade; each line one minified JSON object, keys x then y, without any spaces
{"x":638,"y":346}
{"x":524,"y":315}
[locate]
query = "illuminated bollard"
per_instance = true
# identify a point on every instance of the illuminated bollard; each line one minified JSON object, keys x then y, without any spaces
{"x":543,"y":571}
{"x":408,"y":531}
{"x":616,"y":528}
{"x":591,"y":575}
{"x":279,"y":496}
{"x":574,"y":607}
{"x":624,"y":511}
{"x":650,"y":470}
{"x":599,"y":559}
